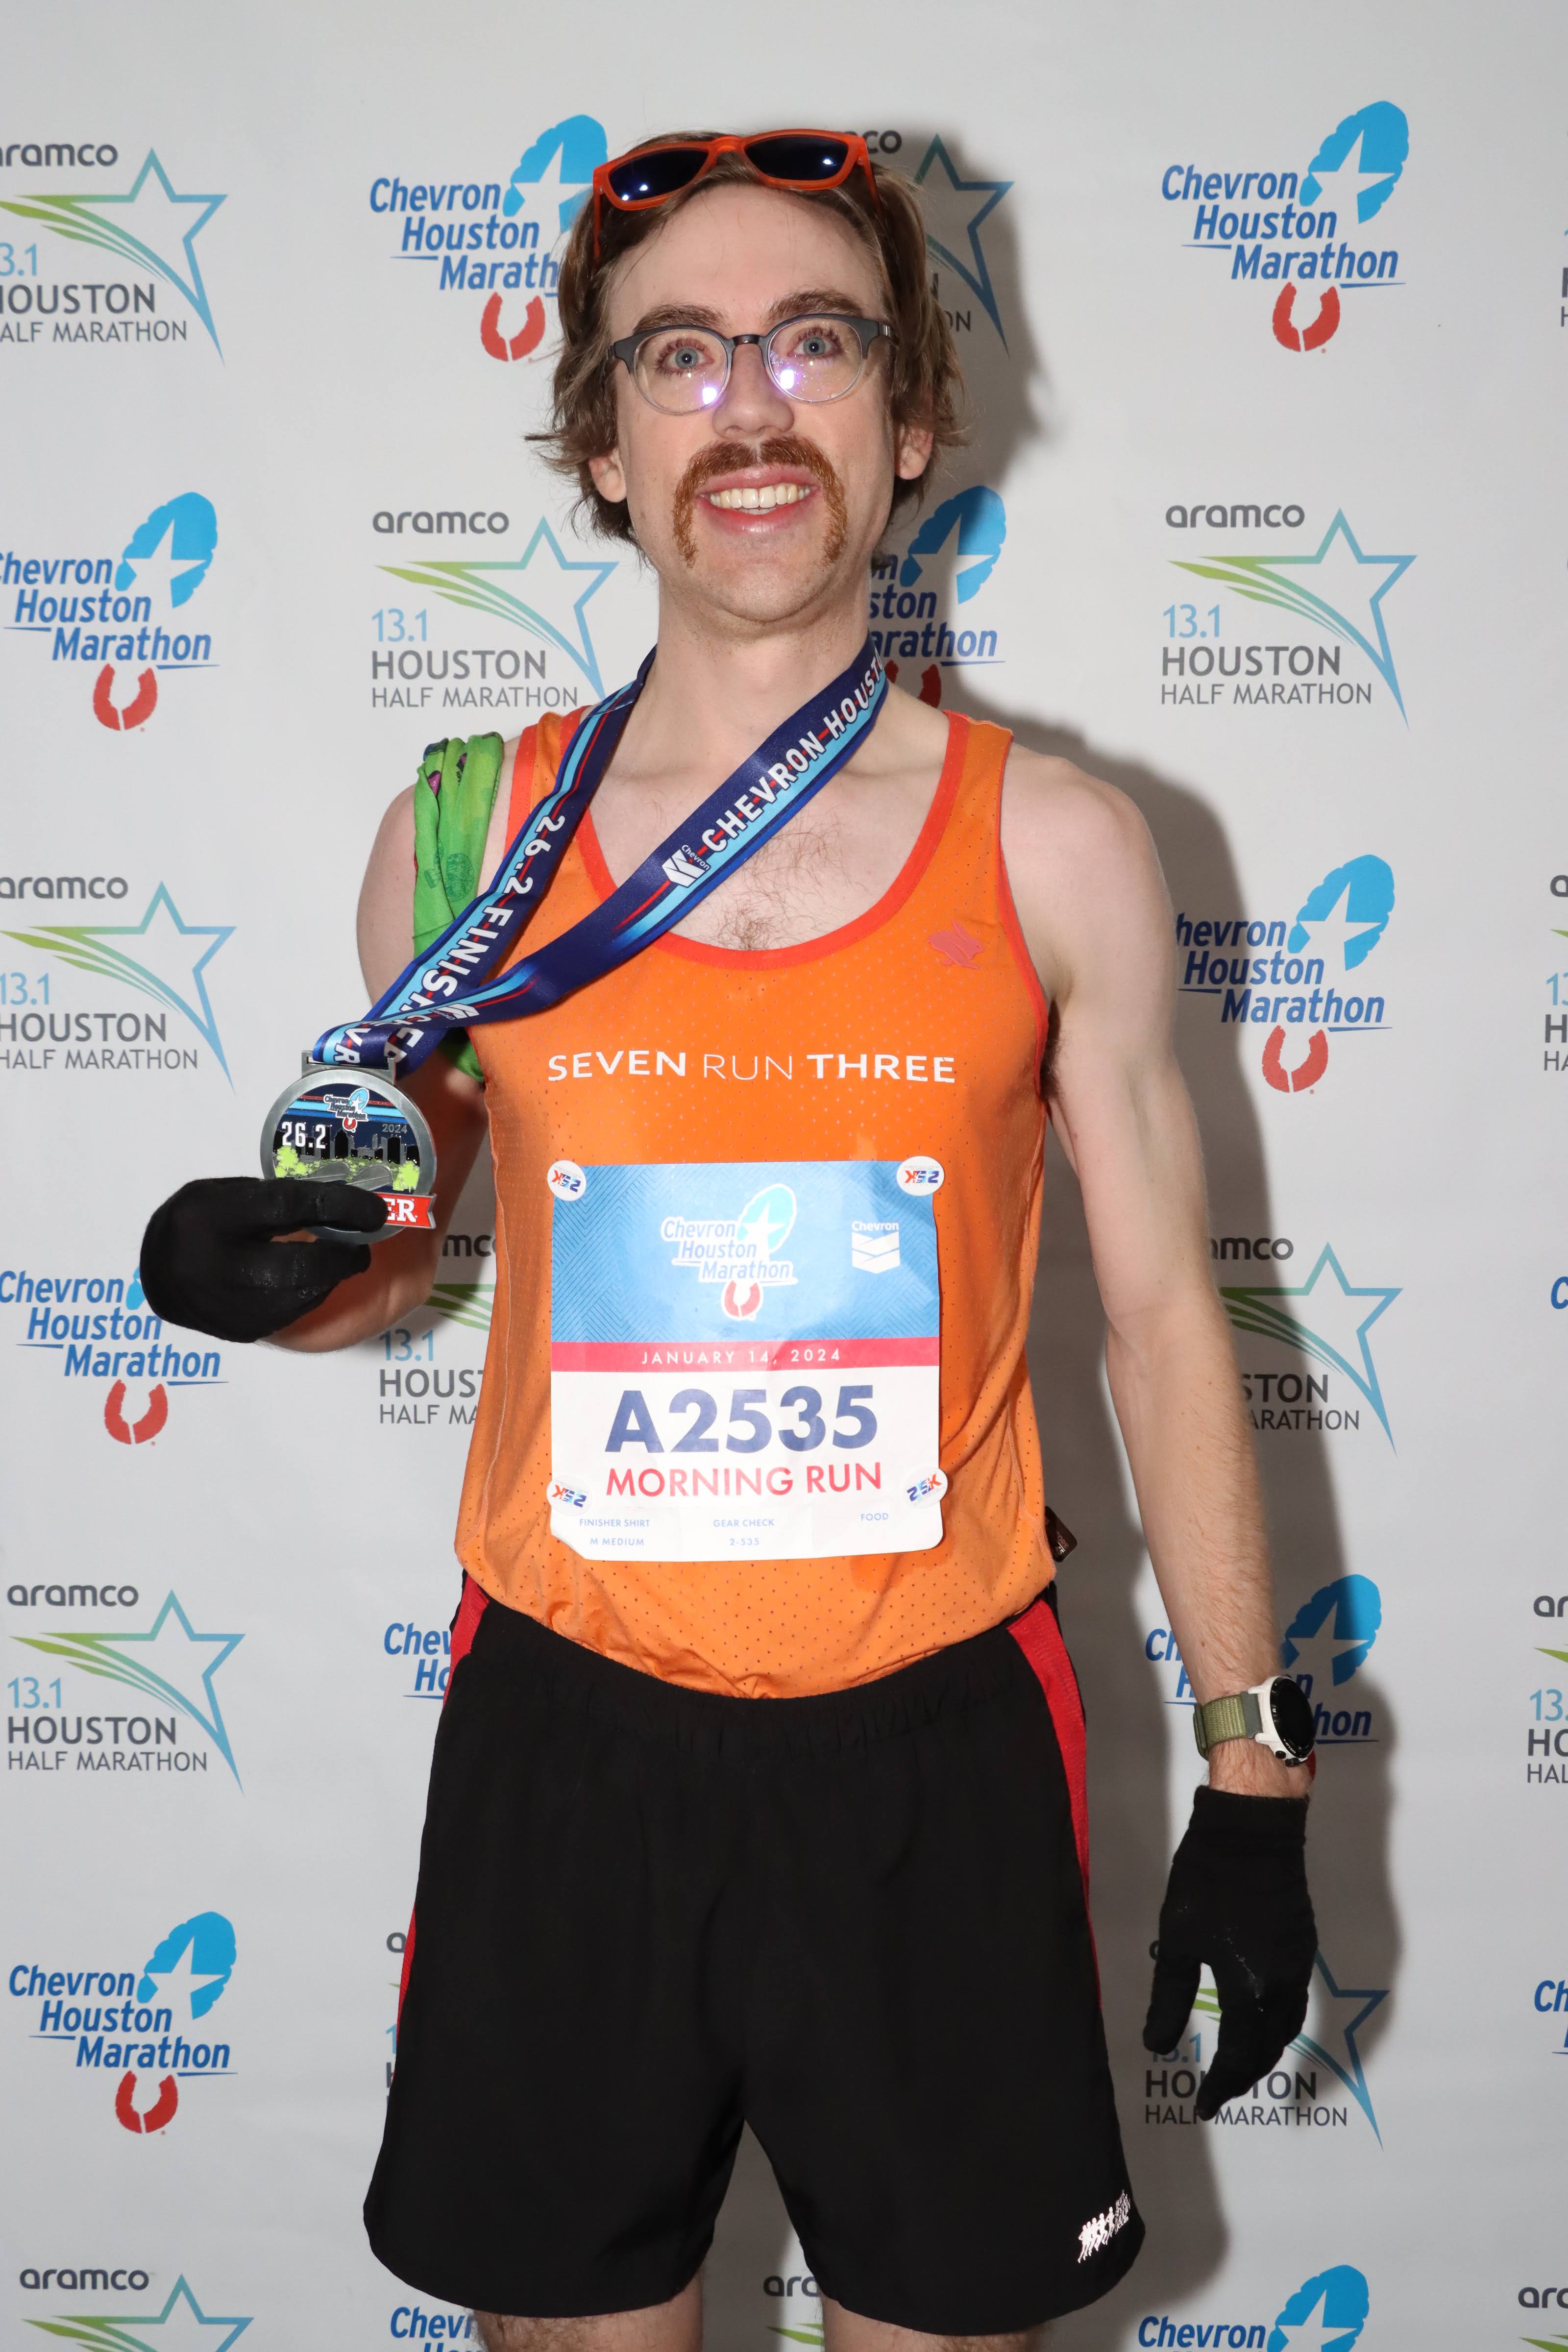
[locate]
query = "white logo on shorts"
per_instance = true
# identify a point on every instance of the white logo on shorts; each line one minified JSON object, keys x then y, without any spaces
{"x":1097,"y":2234}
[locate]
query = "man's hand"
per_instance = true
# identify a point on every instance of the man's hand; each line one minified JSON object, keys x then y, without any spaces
{"x":1237,"y":1899}
{"x":211,"y":1261}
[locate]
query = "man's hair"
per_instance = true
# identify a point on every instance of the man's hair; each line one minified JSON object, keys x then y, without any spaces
{"x":924,"y":384}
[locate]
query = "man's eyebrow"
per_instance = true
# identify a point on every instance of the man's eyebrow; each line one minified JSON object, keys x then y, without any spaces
{"x":814,"y":298}
{"x":677,"y":314}
{"x":788,"y":305}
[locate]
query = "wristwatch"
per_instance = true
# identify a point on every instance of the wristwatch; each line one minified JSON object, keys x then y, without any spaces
{"x":1277,"y":1714}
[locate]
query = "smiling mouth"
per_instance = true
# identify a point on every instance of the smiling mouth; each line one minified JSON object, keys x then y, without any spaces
{"x":760,"y":501}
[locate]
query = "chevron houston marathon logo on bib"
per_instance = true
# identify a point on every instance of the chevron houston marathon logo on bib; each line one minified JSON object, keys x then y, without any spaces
{"x":1306,"y":233}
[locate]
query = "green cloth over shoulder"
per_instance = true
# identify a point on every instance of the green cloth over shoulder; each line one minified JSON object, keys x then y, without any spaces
{"x":454,"y":796}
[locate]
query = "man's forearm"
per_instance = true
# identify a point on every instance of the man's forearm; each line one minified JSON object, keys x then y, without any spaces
{"x":1178,"y":1399}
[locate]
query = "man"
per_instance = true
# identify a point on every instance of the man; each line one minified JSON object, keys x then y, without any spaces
{"x":728,"y":1825}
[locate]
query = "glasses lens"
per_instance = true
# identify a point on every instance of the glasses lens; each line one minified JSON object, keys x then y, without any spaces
{"x":816,"y":358}
{"x":682,"y":369}
{"x":659,"y":172}
{"x":794,"y":157}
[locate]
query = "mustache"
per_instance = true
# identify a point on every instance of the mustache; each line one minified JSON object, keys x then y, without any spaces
{"x":731,"y":456}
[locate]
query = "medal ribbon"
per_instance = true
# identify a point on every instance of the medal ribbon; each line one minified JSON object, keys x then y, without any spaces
{"x":449,"y":987}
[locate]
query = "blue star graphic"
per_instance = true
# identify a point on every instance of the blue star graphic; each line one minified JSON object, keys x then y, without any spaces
{"x":1340,"y":560}
{"x":1261,"y":1310}
{"x":166,"y":931}
{"x":182,"y":2322}
{"x":1351,"y":2072}
{"x":161,"y":1663}
{"x":953,"y":216}
{"x":159,"y":214}
{"x":477,"y":586}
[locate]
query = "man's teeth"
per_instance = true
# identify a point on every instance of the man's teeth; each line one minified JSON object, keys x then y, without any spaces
{"x":748,"y":501}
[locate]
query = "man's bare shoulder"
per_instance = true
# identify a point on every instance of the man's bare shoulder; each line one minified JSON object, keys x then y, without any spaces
{"x":1082,"y":867}
{"x":1051,"y":809}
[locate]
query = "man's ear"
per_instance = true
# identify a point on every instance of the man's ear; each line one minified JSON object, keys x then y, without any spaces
{"x":912,"y":446}
{"x":609,"y":477}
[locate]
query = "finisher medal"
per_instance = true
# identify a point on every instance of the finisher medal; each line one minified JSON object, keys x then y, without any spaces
{"x":354,"y":1128}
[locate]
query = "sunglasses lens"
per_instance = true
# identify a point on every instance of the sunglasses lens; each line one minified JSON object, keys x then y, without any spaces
{"x":792,"y":157}
{"x":659,"y":172}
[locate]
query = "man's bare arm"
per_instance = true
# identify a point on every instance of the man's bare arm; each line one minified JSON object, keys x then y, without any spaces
{"x":1094,"y":912}
{"x":401,"y":1268}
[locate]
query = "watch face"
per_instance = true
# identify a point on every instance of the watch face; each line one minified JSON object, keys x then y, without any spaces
{"x":1290,"y":1711}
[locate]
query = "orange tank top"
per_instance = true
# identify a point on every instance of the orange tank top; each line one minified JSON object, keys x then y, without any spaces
{"x":778,"y":1086}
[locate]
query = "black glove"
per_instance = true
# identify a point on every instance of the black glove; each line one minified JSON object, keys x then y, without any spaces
{"x":208,"y":1260}
{"x":1237,"y":1899}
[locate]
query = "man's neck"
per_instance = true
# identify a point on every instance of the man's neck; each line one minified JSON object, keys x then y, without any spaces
{"x":715,"y":694}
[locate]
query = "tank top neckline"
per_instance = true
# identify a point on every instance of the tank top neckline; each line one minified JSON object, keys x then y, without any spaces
{"x":881,"y":910}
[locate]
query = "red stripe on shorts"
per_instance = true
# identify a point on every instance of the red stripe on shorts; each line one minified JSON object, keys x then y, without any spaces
{"x":1039,"y":1637}
{"x":465,"y":1625}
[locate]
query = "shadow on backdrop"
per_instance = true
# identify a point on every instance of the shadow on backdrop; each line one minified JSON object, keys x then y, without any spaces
{"x":1138,"y":1777}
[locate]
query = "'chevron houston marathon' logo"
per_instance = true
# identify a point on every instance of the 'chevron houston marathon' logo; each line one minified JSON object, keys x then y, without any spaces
{"x":1326,"y":2314}
{"x":119,"y":612}
{"x":144,"y":2026}
{"x":1302,"y":231}
{"x":1297,"y":979}
{"x":149,"y":229}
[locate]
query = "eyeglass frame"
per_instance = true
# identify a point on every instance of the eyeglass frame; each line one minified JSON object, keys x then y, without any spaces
{"x":858,"y":158}
{"x":867,"y":331}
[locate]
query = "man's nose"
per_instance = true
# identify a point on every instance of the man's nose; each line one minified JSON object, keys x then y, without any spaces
{"x":753,"y":403}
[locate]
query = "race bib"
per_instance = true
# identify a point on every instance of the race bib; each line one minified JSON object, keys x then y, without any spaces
{"x":745,"y":1358}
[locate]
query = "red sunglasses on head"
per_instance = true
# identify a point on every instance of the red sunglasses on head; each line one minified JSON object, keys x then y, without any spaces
{"x":804,"y":161}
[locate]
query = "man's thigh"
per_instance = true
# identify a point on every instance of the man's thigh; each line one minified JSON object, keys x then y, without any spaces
{"x":849,"y":2331}
{"x":673,"y":2327}
{"x":676,"y":2327}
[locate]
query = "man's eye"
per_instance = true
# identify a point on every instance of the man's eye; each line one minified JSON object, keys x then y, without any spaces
{"x":683,"y":358}
{"x":814,"y":343}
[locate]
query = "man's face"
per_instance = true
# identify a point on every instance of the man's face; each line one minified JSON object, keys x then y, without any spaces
{"x":739,"y":259}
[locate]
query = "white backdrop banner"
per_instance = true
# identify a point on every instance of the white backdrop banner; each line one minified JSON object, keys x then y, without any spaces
{"x":1264,"y":319}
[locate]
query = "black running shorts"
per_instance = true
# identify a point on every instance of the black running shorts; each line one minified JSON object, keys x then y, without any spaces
{"x":648,"y":1916}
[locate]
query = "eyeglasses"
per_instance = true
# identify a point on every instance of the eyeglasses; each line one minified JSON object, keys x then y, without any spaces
{"x":683,"y":370}
{"x":804,"y":161}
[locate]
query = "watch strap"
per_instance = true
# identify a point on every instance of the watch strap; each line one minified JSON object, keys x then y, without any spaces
{"x":1238,"y":1716}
